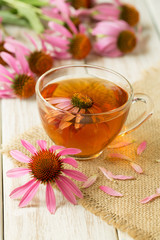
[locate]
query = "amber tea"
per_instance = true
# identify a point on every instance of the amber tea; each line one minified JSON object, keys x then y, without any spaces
{"x":79,"y":116}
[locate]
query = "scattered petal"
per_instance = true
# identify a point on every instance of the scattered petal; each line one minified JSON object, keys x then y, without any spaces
{"x":106,"y":173}
{"x":141,"y":148}
{"x":119,"y":155}
{"x":120,"y":144}
{"x":110,"y":176}
{"x":89,"y":181}
{"x":110,"y":191}
{"x":148,"y":199}
{"x":136,"y":167}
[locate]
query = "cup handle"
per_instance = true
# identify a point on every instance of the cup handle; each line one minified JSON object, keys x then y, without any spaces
{"x":139,"y":97}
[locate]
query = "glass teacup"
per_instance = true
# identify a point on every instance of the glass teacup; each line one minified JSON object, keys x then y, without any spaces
{"x":85,"y":107}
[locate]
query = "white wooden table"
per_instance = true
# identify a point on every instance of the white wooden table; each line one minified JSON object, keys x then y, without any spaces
{"x":70,"y":222}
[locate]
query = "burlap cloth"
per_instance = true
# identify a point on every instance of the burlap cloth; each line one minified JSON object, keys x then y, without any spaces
{"x":126,"y":213}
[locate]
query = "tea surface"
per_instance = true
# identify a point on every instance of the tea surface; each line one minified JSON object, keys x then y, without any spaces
{"x":104,"y":95}
{"x":76,"y":126}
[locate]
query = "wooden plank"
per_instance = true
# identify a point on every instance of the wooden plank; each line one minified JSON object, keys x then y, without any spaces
{"x":1,"y":184}
{"x":35,"y":222}
{"x":154,"y":9}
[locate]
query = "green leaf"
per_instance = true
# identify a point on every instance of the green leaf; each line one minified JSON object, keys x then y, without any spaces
{"x":36,"y":3}
{"x":10,"y":18}
{"x":32,"y":18}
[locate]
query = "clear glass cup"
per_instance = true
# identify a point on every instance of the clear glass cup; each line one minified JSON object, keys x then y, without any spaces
{"x":90,"y":132}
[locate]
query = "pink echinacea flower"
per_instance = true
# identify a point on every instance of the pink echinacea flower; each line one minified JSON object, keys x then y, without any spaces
{"x":113,"y":39}
{"x":46,"y":166}
{"x":18,"y":83}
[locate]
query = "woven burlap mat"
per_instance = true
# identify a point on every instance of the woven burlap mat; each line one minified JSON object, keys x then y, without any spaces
{"x":126,"y":213}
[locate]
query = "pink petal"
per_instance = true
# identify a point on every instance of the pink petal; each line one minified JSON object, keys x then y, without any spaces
{"x":110,"y":176}
{"x":67,"y":151}
{"x":110,"y":191}
{"x":120,"y":144}
{"x":71,"y":25}
{"x":29,"y":147}
{"x":148,"y":199}
{"x":10,"y":60}
{"x":56,"y":41}
{"x":42,"y":144}
{"x":63,"y":105}
{"x":70,"y":161}
{"x":18,"y":172}
{"x":141,"y":147}
{"x":75,"y":175}
{"x":106,"y":173}
{"x":11,"y":45}
{"x":66,"y":191}
{"x":20,"y":156}
{"x":50,"y":199}
{"x":55,"y":147}
{"x":57,"y":100}
{"x":5,"y":79}
{"x":21,"y":190}
{"x":22,"y":60}
{"x":72,"y":186}
{"x":32,"y":40}
{"x":119,"y":155}
{"x":29,"y":194}
{"x":136,"y":167}
{"x":64,"y":124}
{"x":158,"y":190}
{"x":64,"y":31}
{"x":89,"y":181}
{"x":5,"y":72}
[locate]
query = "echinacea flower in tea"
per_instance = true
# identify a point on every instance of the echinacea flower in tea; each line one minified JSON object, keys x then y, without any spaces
{"x":46,"y":166}
{"x":40,"y":60}
{"x":113,"y":39}
{"x":18,"y":83}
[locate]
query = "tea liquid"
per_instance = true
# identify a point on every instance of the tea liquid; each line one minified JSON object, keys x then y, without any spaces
{"x":72,"y":124}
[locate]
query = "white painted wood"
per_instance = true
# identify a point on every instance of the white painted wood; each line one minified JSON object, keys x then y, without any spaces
{"x":70,"y":222}
{"x":1,"y":185}
{"x":154,"y":8}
